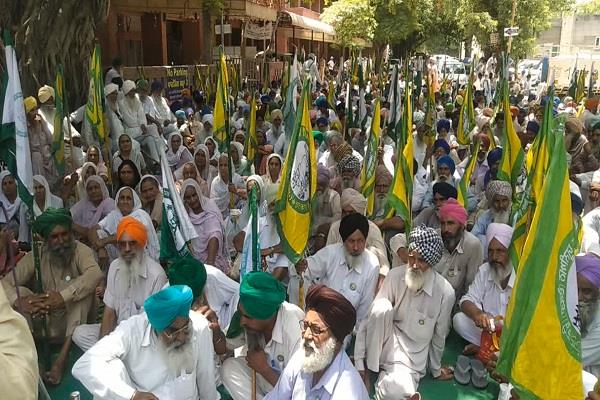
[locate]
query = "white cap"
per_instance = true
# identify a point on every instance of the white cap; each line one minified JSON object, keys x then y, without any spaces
{"x":128,"y":86}
{"x":110,"y":88}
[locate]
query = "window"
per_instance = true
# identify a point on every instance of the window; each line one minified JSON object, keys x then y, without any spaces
{"x":597,"y":42}
{"x":555,"y":51}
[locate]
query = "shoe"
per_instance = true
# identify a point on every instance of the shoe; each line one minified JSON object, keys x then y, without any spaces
{"x":462,"y":370}
{"x":416,"y":396}
{"x":478,"y":374}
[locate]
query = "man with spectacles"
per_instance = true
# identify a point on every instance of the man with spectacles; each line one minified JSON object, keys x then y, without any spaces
{"x":406,"y":328}
{"x":132,"y":278}
{"x":321,"y":369}
{"x":164,"y":353}
{"x":267,"y":326}
{"x":429,"y":216}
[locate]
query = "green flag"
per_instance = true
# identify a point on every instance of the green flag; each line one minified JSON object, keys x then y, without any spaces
{"x":58,"y":137}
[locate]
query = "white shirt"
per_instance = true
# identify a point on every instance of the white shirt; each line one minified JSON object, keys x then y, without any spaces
{"x":421,"y":322}
{"x":222,"y":294}
{"x":132,"y":349}
{"x":328,"y":267}
{"x":148,"y":106}
{"x":591,"y":232}
{"x":487,"y":294}
{"x":286,"y":338}
{"x":590,"y":346}
{"x":133,"y":118}
{"x":151,"y":279}
{"x":340,"y":381}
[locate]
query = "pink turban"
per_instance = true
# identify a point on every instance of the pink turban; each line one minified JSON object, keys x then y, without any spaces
{"x":454,"y":211}
{"x":588,"y":266}
{"x":500,"y":232}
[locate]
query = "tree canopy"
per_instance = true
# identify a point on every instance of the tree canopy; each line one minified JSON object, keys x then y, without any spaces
{"x":351,"y":19}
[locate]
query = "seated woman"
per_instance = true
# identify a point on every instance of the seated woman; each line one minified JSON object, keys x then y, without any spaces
{"x":94,"y":155}
{"x":152,"y":200}
{"x":177,"y":153}
{"x":210,"y":246}
{"x":92,"y":208}
{"x":273,"y":174}
{"x":11,"y":203}
{"x":221,"y":188}
{"x":213,"y":151}
{"x":264,"y":150}
{"x":88,"y":169}
{"x":127,"y":174}
{"x":103,"y":235}
{"x":42,"y":199}
{"x":127,"y":152}
{"x":240,"y":163}
{"x":189,"y":171}
{"x":201,"y":159}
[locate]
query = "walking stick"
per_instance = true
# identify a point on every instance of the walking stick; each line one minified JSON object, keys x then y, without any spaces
{"x":255,"y":341}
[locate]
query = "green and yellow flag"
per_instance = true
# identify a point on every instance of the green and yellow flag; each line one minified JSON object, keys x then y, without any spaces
{"x":541,"y":343}
{"x":367,"y":174}
{"x":465,"y":181}
{"x":94,"y":109}
{"x":251,"y":145}
{"x":58,"y":136}
{"x":512,"y":152}
{"x":293,"y":207}
{"x":466,"y":119}
{"x":221,"y":111}
{"x":400,"y":195}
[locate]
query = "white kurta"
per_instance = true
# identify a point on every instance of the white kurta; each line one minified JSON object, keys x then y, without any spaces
{"x":128,"y":360}
{"x":590,"y":346}
{"x":222,"y":294}
{"x":328,"y":267}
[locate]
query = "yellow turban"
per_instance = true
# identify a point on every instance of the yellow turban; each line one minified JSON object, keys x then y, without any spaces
{"x":45,"y":93}
{"x":30,"y":103}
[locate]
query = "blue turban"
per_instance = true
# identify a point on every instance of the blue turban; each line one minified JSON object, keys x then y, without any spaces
{"x":265,"y":99}
{"x":180,"y":114}
{"x":533,"y":127}
{"x":321,"y":101}
{"x":443,"y":144}
{"x":446,"y":160}
{"x":322,"y":121}
{"x":443,"y":123}
{"x":165,"y":306}
{"x":156,"y":85}
{"x":494,"y":156}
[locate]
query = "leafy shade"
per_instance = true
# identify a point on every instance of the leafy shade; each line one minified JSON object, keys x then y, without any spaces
{"x":351,"y":19}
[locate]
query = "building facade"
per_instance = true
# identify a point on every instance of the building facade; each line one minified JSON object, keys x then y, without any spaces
{"x":570,"y":35}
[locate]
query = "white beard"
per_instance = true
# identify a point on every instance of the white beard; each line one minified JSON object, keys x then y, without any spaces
{"x":380,"y":202}
{"x":500,"y":217}
{"x":587,"y":312}
{"x":317,"y":359}
{"x":353,"y":261}
{"x":414,"y":278}
{"x":130,"y":271}
{"x":176,"y":359}
{"x":347,"y":183}
{"x":133,"y":105}
{"x":499,"y":273}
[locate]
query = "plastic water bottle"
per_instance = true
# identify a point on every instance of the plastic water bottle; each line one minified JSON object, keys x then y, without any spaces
{"x":75,"y":396}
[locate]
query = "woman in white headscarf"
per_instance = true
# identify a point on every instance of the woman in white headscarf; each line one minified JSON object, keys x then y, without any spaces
{"x":177,"y":154}
{"x":42,"y":199}
{"x":221,"y":187}
{"x":11,"y":202}
{"x":202,"y":161}
{"x":88,"y":169}
{"x":240,"y":163}
{"x":94,"y":155}
{"x":103,"y":235}
{"x":210,"y":246}
{"x":92,"y":208}
{"x":213,"y":150}
{"x":274,"y":165}
{"x":152,"y":199}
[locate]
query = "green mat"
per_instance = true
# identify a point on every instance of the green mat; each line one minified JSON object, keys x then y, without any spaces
{"x":430,"y":389}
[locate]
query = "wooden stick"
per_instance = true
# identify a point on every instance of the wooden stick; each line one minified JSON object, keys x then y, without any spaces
{"x":253,"y":385}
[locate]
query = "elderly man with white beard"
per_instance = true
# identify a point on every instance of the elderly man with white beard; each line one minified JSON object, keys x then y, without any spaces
{"x":588,"y":285}
{"x":135,"y":123}
{"x":488,"y":295}
{"x":352,"y":202}
{"x":405,"y":332}
{"x":328,"y":209}
{"x":498,"y":195}
{"x":321,"y":369}
{"x":132,"y":278}
{"x":445,"y":168}
{"x":347,"y":267}
{"x":164,"y":353}
{"x":394,"y":224}
{"x":430,"y":216}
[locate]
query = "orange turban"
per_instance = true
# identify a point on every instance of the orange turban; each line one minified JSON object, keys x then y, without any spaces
{"x":592,"y":104}
{"x":514,"y":111}
{"x":133,"y":228}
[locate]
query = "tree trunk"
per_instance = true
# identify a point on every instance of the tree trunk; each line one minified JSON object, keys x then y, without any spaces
{"x":51,"y":32}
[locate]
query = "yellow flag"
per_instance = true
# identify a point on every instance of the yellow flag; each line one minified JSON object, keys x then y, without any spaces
{"x":221,"y":112}
{"x":293,"y":206}
{"x":367,"y":174}
{"x":512,"y":152}
{"x":251,"y":145}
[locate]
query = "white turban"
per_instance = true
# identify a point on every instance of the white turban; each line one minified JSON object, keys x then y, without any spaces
{"x":396,"y":243}
{"x":353,"y":198}
{"x":596,"y":177}
{"x":128,"y":86}
{"x":240,"y":103}
{"x":45,"y":93}
{"x":500,"y":232}
{"x":208,"y":118}
{"x":110,"y":88}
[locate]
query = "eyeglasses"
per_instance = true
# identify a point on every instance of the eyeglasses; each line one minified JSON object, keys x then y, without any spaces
{"x":315,"y":330}
{"x":173,"y":335}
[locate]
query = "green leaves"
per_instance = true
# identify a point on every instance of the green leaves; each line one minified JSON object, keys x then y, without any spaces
{"x":351,"y":19}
